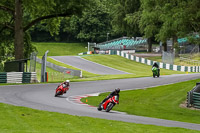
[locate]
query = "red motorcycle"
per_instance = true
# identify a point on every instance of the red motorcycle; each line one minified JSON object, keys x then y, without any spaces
{"x":109,"y":104}
{"x":60,"y":90}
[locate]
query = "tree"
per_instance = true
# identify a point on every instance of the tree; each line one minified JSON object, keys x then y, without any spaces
{"x":93,"y":25}
{"x":21,"y":15}
{"x":122,"y":17}
{"x":169,"y":19}
{"x":149,"y":22}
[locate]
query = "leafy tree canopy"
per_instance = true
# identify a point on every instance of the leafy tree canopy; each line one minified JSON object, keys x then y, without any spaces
{"x":18,"y":16}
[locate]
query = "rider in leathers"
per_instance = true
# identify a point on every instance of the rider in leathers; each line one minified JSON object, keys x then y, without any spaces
{"x":114,"y":93}
{"x":65,"y":85}
{"x":156,"y":65}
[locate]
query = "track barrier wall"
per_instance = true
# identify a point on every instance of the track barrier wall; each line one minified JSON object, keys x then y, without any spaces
{"x":193,"y":97}
{"x":129,"y":56}
{"x":161,"y":64}
{"x":65,"y":70}
{"x":18,"y":77}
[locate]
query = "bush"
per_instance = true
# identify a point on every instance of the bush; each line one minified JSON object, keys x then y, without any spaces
{"x":1,"y":67}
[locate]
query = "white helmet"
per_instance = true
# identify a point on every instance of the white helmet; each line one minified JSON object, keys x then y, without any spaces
{"x":67,"y":81}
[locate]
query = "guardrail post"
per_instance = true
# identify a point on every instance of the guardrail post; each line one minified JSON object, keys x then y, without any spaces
{"x":43,"y":69}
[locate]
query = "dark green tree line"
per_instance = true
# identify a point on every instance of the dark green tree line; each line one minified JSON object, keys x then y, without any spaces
{"x":157,"y":19}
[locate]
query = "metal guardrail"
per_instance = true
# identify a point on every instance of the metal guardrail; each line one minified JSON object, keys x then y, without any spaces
{"x":18,"y":77}
{"x":193,"y":97}
{"x":196,"y":100}
{"x":62,"y":69}
{"x":3,"y":77}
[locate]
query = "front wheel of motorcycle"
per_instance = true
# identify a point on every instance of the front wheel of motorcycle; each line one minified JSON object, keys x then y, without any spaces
{"x":99,"y":108}
{"x":109,"y":107}
{"x":58,"y":93}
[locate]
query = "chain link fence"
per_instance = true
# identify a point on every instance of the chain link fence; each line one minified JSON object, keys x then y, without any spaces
{"x":91,"y":46}
{"x":168,"y":57}
{"x":32,"y":67}
{"x":57,"y":76}
{"x":190,"y":61}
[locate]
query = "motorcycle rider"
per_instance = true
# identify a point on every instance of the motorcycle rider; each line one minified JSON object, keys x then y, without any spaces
{"x":156,"y":65}
{"x":65,"y":85}
{"x":113,"y":93}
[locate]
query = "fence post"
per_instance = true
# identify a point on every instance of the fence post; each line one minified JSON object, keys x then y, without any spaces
{"x":43,"y":69}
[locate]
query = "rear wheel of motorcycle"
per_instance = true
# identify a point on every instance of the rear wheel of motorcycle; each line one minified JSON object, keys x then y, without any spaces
{"x":109,"y":107}
{"x":154,"y":75}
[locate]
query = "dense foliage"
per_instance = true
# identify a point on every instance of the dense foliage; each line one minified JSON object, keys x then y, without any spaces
{"x":93,"y":21}
{"x":19,"y":16}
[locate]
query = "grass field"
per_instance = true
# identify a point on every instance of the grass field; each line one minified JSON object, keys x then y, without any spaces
{"x":22,"y":120}
{"x":127,"y":65}
{"x":59,"y":49}
{"x":158,"y":102}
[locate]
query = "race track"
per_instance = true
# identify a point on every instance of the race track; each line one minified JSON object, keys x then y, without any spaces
{"x":41,"y":96}
{"x":78,"y":62}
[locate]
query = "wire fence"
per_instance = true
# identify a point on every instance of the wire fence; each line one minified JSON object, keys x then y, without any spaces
{"x":32,"y":65}
{"x":190,"y":61}
{"x":168,"y":57}
{"x":55,"y":76}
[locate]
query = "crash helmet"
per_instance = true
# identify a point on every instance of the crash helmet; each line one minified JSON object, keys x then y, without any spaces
{"x":67,"y":82}
{"x":117,"y":90}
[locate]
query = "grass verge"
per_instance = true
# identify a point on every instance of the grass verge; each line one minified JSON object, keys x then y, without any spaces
{"x":22,"y":120}
{"x":127,"y":65}
{"x":158,"y":102}
{"x":59,"y":49}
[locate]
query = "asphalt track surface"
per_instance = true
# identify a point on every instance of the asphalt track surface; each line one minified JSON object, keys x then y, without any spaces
{"x":78,"y":62}
{"x":41,"y":96}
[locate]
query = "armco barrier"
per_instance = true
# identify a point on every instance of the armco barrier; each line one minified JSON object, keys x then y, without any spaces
{"x":161,"y":65}
{"x":193,"y":97}
{"x":26,"y":78}
{"x":150,"y":62}
{"x":196,"y":99}
{"x":3,"y":77}
{"x":71,"y":72}
{"x":18,"y":77}
{"x":14,"y":77}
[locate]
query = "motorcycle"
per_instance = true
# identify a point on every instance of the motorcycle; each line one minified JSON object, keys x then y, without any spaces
{"x":109,"y":104}
{"x":60,"y":90}
{"x":155,"y":71}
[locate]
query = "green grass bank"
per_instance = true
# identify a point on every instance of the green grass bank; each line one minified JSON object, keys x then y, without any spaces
{"x":16,"y":119}
{"x":158,"y":102}
{"x":60,"y":49}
